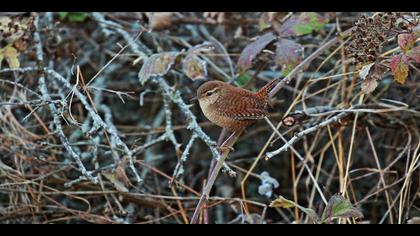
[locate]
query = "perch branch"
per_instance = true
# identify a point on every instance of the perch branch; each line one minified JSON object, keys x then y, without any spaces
{"x":192,"y":121}
{"x":214,"y":173}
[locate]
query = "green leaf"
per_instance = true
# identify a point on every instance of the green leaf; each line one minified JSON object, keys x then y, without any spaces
{"x":77,"y":16}
{"x":243,"y":79}
{"x":73,"y":16}
{"x":305,"y":23}
{"x":339,"y":207}
{"x":311,"y":213}
{"x":63,"y":15}
{"x":399,"y":68}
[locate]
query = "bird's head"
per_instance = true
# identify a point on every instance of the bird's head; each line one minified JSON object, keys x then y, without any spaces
{"x":209,"y":92}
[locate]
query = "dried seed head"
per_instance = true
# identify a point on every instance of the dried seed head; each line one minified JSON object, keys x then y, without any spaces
{"x":369,"y":35}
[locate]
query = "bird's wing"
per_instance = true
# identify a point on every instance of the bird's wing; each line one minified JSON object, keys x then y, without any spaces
{"x":241,"y":107}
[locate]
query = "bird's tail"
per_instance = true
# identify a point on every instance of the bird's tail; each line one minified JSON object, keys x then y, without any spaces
{"x":264,"y":91}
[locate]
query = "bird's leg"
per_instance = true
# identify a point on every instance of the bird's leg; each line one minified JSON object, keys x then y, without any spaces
{"x":225,"y":145}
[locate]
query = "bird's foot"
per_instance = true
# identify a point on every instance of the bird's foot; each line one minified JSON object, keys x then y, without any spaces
{"x":225,"y":148}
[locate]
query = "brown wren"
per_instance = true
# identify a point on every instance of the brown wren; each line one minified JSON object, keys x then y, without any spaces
{"x":231,"y":107}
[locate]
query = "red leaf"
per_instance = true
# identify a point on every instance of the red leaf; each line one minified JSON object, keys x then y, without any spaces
{"x":414,"y":54}
{"x":399,"y":68}
{"x":252,"y":50}
{"x":288,"y":54}
{"x":406,"y":41}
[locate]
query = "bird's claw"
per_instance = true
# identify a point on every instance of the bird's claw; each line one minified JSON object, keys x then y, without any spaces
{"x":224,"y":148}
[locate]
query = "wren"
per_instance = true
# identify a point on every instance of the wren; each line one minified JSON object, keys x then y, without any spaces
{"x":231,"y":107}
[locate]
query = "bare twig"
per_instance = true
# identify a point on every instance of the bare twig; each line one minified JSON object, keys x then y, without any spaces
{"x":56,"y":114}
{"x":308,"y":60}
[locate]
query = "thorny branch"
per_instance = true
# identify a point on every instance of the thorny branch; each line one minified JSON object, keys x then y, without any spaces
{"x":73,"y":140}
{"x":56,"y":114}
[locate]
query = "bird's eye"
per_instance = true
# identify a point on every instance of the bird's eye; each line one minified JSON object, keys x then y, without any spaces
{"x":209,"y":93}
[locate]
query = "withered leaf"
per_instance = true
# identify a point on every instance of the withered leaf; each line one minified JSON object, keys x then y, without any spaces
{"x":282,"y":203}
{"x":118,"y":178}
{"x":14,"y":28}
{"x":251,"y":51}
{"x":369,"y":83}
{"x":157,"y":65}
{"x":194,"y":67}
{"x":370,"y":74}
{"x":11,"y":55}
{"x":288,"y":54}
{"x":117,"y":183}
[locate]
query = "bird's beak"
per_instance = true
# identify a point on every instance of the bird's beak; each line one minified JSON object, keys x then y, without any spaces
{"x":194,"y":99}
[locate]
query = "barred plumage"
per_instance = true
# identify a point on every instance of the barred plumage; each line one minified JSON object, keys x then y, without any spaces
{"x":231,"y":107}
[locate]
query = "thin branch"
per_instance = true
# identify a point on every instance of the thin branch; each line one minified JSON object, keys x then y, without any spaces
{"x":307,"y":61}
{"x":56,"y":114}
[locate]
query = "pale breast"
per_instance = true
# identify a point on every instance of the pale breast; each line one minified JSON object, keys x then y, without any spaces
{"x":226,"y":122}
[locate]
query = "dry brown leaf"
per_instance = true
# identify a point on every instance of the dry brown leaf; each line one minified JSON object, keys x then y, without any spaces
{"x":369,"y":85}
{"x":119,"y":178}
{"x":370,"y":74}
{"x":161,"y":20}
